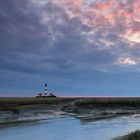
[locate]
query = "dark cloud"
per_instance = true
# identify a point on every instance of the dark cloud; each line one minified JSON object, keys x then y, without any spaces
{"x":48,"y":40}
{"x":47,"y":31}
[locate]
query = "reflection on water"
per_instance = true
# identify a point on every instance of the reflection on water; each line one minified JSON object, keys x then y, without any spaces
{"x":71,"y":129}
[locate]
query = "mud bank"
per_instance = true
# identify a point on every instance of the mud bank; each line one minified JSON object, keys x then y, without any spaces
{"x":13,"y":114}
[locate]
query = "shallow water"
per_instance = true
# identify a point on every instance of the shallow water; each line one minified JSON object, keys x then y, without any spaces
{"x":71,"y":129}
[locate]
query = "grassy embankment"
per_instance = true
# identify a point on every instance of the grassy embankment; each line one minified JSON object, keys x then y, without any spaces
{"x":80,"y":101}
{"x":132,"y":136}
{"x":109,"y":102}
{"x":15,"y":104}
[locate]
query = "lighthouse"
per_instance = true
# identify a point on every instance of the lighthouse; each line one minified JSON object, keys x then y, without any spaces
{"x":46,"y":89}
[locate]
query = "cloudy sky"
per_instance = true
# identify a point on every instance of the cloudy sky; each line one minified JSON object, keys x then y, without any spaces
{"x":79,"y":47}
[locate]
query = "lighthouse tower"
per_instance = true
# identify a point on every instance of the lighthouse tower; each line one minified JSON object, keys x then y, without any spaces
{"x":46,"y":89}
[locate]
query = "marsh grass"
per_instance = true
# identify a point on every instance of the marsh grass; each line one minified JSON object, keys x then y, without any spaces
{"x":16,"y":104}
{"x":27,"y":101}
{"x":130,"y":102}
{"x":131,"y":136}
{"x":32,"y":101}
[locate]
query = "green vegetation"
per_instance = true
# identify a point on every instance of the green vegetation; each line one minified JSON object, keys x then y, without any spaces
{"x":104,"y":102}
{"x":15,"y":104}
{"x":132,"y":136}
{"x":80,"y":102}
{"x":13,"y":109}
{"x":30,"y":101}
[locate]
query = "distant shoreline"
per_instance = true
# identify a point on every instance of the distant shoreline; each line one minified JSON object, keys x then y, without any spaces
{"x":80,"y":101}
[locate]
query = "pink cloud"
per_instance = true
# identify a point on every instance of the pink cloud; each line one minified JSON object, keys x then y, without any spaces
{"x":107,"y":13}
{"x":73,"y":7}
